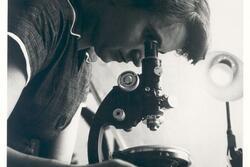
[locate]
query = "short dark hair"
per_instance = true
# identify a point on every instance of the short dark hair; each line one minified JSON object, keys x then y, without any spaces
{"x":195,"y":14}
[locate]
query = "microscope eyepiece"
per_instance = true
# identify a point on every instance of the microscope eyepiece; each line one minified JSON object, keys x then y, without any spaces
{"x":151,"y":48}
{"x":154,"y":102}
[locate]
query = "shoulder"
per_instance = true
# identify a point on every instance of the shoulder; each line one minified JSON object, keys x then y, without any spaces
{"x":38,"y":26}
{"x":33,"y":10}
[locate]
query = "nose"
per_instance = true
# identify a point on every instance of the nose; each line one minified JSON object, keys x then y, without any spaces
{"x":136,"y":56}
{"x":135,"y":53}
{"x":137,"y":50}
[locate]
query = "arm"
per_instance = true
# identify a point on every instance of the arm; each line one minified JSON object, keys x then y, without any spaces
{"x":17,"y":77}
{"x":17,"y":159}
{"x":62,"y":147}
{"x":16,"y":74}
{"x":16,"y":83}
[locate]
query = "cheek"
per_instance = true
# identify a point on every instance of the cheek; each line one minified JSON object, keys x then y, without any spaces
{"x":173,"y":36}
{"x":120,"y":32}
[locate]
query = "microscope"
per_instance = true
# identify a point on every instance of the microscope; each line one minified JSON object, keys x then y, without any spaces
{"x":136,"y":98}
{"x":139,"y":98}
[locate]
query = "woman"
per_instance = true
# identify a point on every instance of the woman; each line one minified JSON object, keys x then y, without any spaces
{"x":51,"y":46}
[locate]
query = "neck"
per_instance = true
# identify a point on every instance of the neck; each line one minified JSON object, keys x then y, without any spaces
{"x":86,"y":22}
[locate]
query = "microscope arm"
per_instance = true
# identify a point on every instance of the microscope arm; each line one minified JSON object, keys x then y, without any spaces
{"x":119,"y":109}
{"x":136,"y":98}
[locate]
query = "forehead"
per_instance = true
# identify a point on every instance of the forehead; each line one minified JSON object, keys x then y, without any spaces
{"x":170,"y":32}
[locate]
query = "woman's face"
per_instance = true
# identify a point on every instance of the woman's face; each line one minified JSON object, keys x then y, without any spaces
{"x":121,"y":32}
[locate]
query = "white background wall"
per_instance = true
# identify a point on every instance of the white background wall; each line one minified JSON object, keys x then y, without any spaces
{"x":204,"y":134}
{"x":198,"y":124}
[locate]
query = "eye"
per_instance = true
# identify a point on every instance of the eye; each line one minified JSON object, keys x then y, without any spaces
{"x":151,"y":34}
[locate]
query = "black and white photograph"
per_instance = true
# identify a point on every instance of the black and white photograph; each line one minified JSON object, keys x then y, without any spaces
{"x":124,"y":83}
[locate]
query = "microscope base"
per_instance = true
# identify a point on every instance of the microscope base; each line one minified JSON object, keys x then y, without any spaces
{"x":155,"y":156}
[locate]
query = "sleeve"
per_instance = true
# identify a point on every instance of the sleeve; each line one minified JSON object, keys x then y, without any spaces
{"x":34,"y":29}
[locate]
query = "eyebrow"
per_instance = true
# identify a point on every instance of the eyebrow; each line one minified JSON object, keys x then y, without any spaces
{"x":151,"y":33}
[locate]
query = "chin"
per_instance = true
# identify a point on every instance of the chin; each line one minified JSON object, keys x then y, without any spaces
{"x":103,"y":56}
{"x":106,"y":60}
{"x":138,"y":65}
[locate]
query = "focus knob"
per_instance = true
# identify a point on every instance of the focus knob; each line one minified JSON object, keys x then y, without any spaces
{"x":128,"y":81}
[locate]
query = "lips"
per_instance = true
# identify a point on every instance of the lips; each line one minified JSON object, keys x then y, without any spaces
{"x":123,"y":57}
{"x":134,"y":56}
